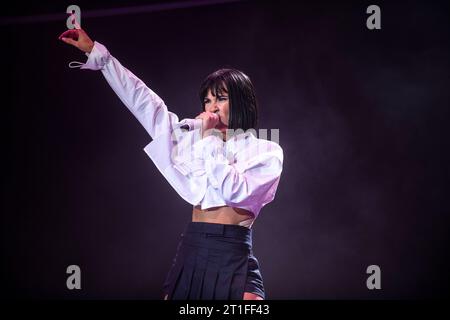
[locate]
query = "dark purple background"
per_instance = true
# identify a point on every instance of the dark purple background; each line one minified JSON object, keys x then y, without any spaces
{"x":363,"y":124}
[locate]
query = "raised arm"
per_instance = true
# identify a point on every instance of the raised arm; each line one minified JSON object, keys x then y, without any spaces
{"x":145,"y":104}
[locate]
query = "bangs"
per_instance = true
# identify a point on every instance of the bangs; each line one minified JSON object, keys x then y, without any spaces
{"x":216,"y":84}
{"x":217,"y":88}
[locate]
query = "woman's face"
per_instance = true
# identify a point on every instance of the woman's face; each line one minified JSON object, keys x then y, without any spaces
{"x":219,"y":105}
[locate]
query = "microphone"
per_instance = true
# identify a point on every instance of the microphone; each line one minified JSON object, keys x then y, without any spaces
{"x":188,"y":124}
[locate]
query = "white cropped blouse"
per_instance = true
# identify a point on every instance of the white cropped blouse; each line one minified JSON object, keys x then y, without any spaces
{"x":242,"y":172}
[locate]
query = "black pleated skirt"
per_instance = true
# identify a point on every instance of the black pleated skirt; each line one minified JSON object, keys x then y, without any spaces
{"x":214,"y":262}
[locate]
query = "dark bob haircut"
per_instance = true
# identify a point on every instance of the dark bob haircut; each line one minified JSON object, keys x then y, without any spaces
{"x":243,"y":113}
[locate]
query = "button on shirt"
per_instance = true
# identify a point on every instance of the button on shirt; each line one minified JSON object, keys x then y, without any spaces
{"x":242,"y":172}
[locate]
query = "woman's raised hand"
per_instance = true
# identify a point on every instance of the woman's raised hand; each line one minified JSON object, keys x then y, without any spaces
{"x":78,"y":38}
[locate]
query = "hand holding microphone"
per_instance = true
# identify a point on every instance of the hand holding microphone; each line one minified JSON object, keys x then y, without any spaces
{"x":210,"y":121}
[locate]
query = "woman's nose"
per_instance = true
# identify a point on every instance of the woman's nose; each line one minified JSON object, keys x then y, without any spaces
{"x":214,"y":107}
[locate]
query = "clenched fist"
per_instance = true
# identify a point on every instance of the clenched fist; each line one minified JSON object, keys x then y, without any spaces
{"x":210,"y":121}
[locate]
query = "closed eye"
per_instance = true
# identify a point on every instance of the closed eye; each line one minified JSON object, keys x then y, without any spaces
{"x":221,"y":98}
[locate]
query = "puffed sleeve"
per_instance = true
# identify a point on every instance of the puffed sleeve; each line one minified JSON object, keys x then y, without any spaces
{"x":146,"y":105}
{"x":251,"y":178}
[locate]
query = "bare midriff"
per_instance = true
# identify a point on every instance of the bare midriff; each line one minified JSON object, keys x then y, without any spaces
{"x":223,"y":215}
